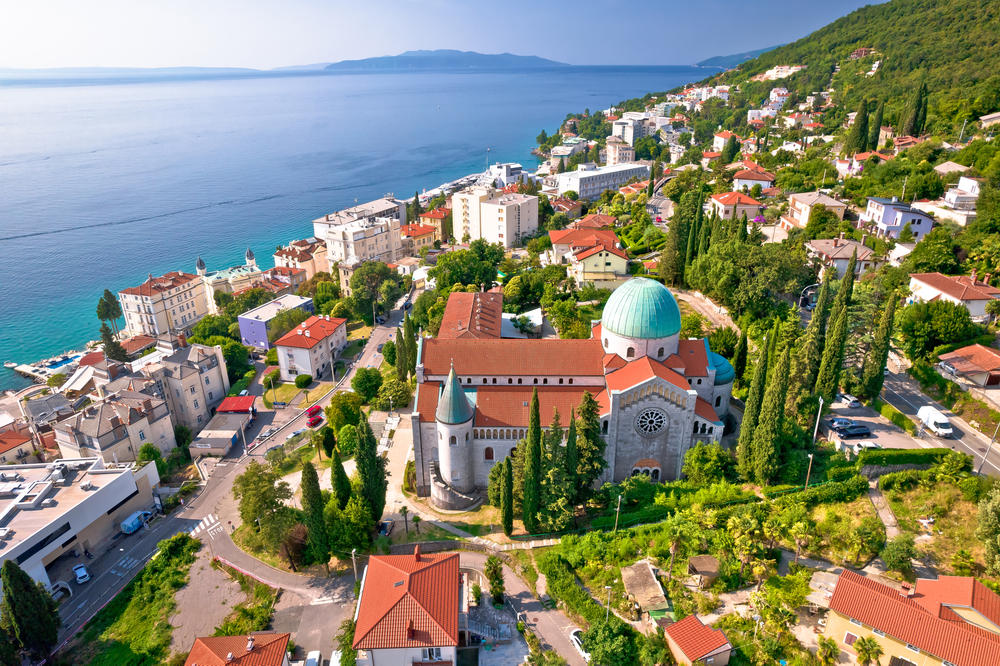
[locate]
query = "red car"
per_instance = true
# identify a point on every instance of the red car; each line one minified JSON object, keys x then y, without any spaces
{"x":314,"y":410}
{"x":314,"y":421}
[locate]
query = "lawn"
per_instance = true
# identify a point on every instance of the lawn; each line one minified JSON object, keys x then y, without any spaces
{"x":315,"y":393}
{"x":955,"y":520}
{"x":283,"y":392}
{"x":835,"y":523}
{"x":358,"y":331}
{"x":353,"y":349}
{"x":133,"y":628}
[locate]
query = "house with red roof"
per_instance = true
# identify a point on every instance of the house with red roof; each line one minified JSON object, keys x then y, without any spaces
{"x":693,"y":642}
{"x":436,"y":218}
{"x":413,"y":609}
{"x":593,"y":255}
{"x":594,"y":221}
{"x":745,"y":180}
{"x":976,"y":364}
{"x":472,"y":315}
{"x":260,"y":649}
{"x":417,"y":236}
{"x":708,"y":157}
{"x":311,"y":347}
{"x":721,"y":138}
{"x":948,"y":621}
{"x":731,"y":205}
{"x":656,"y":394}
{"x":568,"y":207}
{"x":16,"y":444}
{"x":966,"y":290}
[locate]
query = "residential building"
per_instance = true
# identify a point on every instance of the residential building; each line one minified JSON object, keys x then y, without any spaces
{"x":778,"y":72}
{"x":594,"y":221}
{"x":965,"y":195}
{"x":67,"y":506}
{"x":965,"y":290}
{"x":311,"y":347}
{"x":745,"y":180}
{"x":891,"y":216}
{"x":836,"y":253}
{"x":658,"y":395}
{"x":412,"y":609}
{"x":170,"y":304}
{"x":308,"y":254}
{"x":989,"y":120}
{"x":221,"y":433}
{"x":721,"y":138}
{"x":507,"y":173}
{"x":417,"y":236}
{"x":693,"y":642}
{"x":115,"y":428}
{"x":976,"y":364}
{"x":259,"y":649}
{"x":507,"y":218}
{"x":861,"y":52}
{"x":618,"y":151}
{"x":758,"y":115}
{"x":284,"y":280}
{"x":366,"y":232}
{"x":952,"y":620}
{"x":949,"y":167}
{"x":638,"y":187}
{"x":16,"y":444}
{"x":471,"y":315}
{"x":465,"y":207}
{"x":708,"y":157}
{"x":800,"y":207}
{"x":735,"y":204}
{"x":255,"y":325}
{"x":566,"y":242}
{"x":628,"y":129}
{"x":568,"y":207}
{"x":436,"y":218}
{"x":589,"y":180}
{"x":229,"y":280}
{"x":42,"y":411}
{"x":602,"y":265}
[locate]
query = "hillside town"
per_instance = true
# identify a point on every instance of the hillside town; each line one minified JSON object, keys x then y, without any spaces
{"x":718,"y":382}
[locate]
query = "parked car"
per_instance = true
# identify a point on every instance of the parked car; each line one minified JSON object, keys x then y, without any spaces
{"x":407,"y":305}
{"x":379,"y":349}
{"x":385,"y":527}
{"x":314,"y":421}
{"x":297,"y":432}
{"x":576,"y":638}
{"x":314,"y":658}
{"x":849,"y":400}
{"x":855,"y":432}
{"x":314,"y":410}
{"x":81,"y":573}
{"x":135,"y":521}
{"x":839,"y":423}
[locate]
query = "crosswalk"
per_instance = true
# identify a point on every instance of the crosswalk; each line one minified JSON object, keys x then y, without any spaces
{"x":206,"y":526}
{"x":124,"y":565}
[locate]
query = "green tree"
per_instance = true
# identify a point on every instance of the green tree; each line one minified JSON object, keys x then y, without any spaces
{"x":402,"y":361}
{"x":112,"y":348}
{"x":372,"y":471}
{"x":988,"y":529}
{"x":925,"y":326}
{"x":477,"y":265}
{"x":571,"y":460}
{"x":339,"y":482}
{"x":857,"y":138}
{"x":347,"y":440}
{"x":393,"y":394}
{"x":744,"y":444}
{"x":261,"y":494}
{"x":312,"y":508}
{"x":366,"y":383}
{"x":765,"y":437}
{"x":328,"y":440}
{"x":835,"y":339}
{"x":740,"y":358}
{"x":531,"y":492}
{"x":868,"y":650}
{"x":366,"y":284}
{"x":28,"y":613}
{"x":109,"y":309}
{"x":507,"y":498}
{"x":590,"y":445}
{"x":678,"y":530}
{"x":410,"y":336}
{"x":610,"y":643}
{"x":875,"y":127}
{"x":873,"y":371}
{"x":705,"y":464}
{"x":828,"y":652}
{"x":493,"y":570}
{"x":898,"y":553}
{"x":389,"y":352}
{"x":915,"y":113}
{"x":809,"y":353}
{"x":730,"y":150}
{"x":151,"y":452}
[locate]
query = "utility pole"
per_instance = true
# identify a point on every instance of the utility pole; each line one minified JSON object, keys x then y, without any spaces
{"x":607,"y":609}
{"x":962,"y":133}
{"x":354,"y":562}
{"x":988,"y":450}
{"x":808,"y":471}
{"x":617,"y":513}
{"x":819,"y":411}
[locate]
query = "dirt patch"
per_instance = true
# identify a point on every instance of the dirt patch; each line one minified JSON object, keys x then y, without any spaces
{"x":203,"y":603}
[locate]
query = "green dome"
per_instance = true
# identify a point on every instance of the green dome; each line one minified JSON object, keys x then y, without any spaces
{"x":453,"y":407}
{"x":642,"y":308}
{"x":724,"y":372}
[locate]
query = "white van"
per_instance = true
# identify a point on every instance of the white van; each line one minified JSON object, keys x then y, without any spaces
{"x":934,"y":421}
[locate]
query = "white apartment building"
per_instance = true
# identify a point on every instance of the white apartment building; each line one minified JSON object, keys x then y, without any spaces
{"x":589,"y":180}
{"x":66,"y":507}
{"x":619,"y":152}
{"x":508,"y":218}
{"x":465,"y":211}
{"x":116,"y":427}
{"x":367,"y":232}
{"x":311,"y":347}
{"x":507,"y":173}
{"x":169,"y":304}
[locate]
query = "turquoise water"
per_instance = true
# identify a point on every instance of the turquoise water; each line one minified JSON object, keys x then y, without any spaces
{"x":103,"y":184}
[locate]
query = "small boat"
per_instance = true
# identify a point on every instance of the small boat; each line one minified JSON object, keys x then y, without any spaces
{"x":10,"y":364}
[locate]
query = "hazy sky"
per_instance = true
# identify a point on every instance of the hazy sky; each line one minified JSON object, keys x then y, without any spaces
{"x":272,"y":33}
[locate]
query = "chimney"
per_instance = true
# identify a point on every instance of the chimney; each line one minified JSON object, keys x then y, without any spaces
{"x":182,"y":340}
{"x":409,"y":629}
{"x":416,"y":553}
{"x":249,"y":643}
{"x":986,"y":278}
{"x":147,"y":405}
{"x":864,"y":237}
{"x":836,"y":242}
{"x":973,"y":276}
{"x":307,"y":334}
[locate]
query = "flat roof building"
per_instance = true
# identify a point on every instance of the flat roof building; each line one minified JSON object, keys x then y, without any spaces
{"x":255,"y":325}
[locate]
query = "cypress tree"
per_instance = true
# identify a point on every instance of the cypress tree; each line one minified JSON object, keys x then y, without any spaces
{"x":112,"y":348}
{"x":744,"y":451}
{"x":805,"y":363}
{"x":703,"y":236}
{"x":338,"y":480}
{"x":922,"y":111}
{"x":875,"y":127}
{"x":411,"y":340}
{"x":857,"y":138}
{"x":872,"y":375}
{"x":28,"y":614}
{"x":691,"y":243}
{"x":740,"y":358}
{"x":507,"y":498}
{"x":741,"y":229}
{"x":571,"y":461}
{"x":915,"y":113}
{"x":765,"y":436}
{"x":828,"y":375}
{"x":371,"y":471}
{"x":652,"y":183}
{"x":402,"y":358}
{"x":531,"y":501}
{"x":312,"y":507}
{"x":718,"y":231}
{"x":590,"y":445}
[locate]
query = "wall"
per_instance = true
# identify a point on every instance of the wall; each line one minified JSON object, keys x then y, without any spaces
{"x":838,"y":625}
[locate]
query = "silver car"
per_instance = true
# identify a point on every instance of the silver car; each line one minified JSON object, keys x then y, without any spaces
{"x":576,"y":638}
{"x":81,"y":573}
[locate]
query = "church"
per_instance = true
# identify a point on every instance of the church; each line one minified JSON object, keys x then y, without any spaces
{"x":658,"y":394}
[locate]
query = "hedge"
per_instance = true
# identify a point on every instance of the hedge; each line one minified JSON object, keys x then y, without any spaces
{"x":897,"y":417}
{"x":904,"y":480}
{"x":885,"y":457}
{"x":834,"y":491}
{"x":302,"y":381}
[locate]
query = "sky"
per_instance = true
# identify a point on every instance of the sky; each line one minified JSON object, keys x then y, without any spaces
{"x":273,"y":33}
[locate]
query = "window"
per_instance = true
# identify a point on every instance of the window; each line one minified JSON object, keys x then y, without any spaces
{"x":192,"y":389}
{"x":878,"y":633}
{"x":570,"y":380}
{"x":510,"y":381}
{"x":604,"y":427}
{"x":699,"y":382}
{"x":518,"y":380}
{"x":431,"y":654}
{"x":494,"y":380}
{"x":466,"y":436}
{"x":718,"y":400}
{"x":484,"y":380}
{"x":453,"y":441}
{"x":660,"y":352}
{"x":196,"y":404}
{"x":560,"y":380}
{"x":630,"y":353}
{"x":912,"y":647}
{"x":536,"y":380}
{"x":853,"y":621}
{"x":142,"y":434}
{"x":488,"y":454}
{"x":849,"y":638}
{"x":199,"y":418}
{"x":210,"y":395}
{"x":207,"y":381}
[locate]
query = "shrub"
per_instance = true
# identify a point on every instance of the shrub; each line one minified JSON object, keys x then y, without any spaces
{"x":883,"y":457}
{"x":302,"y":381}
{"x":975,"y":488}
{"x":897,"y":417}
{"x":834,"y":491}
{"x":272,"y":378}
{"x":839,"y":473}
{"x":904,"y":480}
{"x":272,"y":356}
{"x":897,"y":553}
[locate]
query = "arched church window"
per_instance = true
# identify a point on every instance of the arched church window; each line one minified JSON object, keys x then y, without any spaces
{"x":604,"y":427}
{"x":654,"y":474}
{"x":718,"y":400}
{"x":660,"y":353}
{"x":630,"y":353}
{"x":488,"y":454}
{"x":453,"y":440}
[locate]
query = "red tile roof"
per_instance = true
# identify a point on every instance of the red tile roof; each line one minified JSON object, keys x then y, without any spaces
{"x":236,"y":404}
{"x":753,"y":174}
{"x":513,"y":357}
{"x":861,"y":157}
{"x":11,"y":439}
{"x":438,"y":213}
{"x":154,"y":285}
{"x":965,"y":591}
{"x":711,"y":155}
{"x":694,"y":356}
{"x":725,"y":134}
{"x":583,"y":237}
{"x":696,"y":640}
{"x":93,"y":358}
{"x":499,"y":406}
{"x":735,"y":198}
{"x":318,"y":328}
{"x":472,"y":315}
{"x":642,"y":370}
{"x":974,"y":358}
{"x":268,"y":650}
{"x":595,"y":221}
{"x":409,"y":230}
{"x":961,"y":287}
{"x":287,"y":271}
{"x":703,"y":409}
{"x":137,"y":343}
{"x":906,"y":619}
{"x":409,"y":601}
{"x":583,"y":254}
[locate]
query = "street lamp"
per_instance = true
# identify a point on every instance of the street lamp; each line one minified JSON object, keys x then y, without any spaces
{"x":819,"y":411}
{"x":989,"y":450}
{"x":607,"y":609}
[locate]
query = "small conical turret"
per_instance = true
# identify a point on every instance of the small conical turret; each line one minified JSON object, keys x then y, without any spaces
{"x":453,"y":407}
{"x":200,"y":266}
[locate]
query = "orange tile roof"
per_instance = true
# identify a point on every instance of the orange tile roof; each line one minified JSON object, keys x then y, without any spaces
{"x":641,"y":370}
{"x":735,"y":199}
{"x":155,"y":285}
{"x":703,"y":409}
{"x":711,"y":154}
{"x":974,"y":358}
{"x":472,"y":315}
{"x":499,"y":406}
{"x":93,"y":358}
{"x":696,"y":640}
{"x":754,"y":174}
{"x":409,"y":230}
{"x":268,"y":650}
{"x":137,"y":343}
{"x":583,"y":237}
{"x":725,"y":134}
{"x":11,"y":439}
{"x":409,"y":601}
{"x":438,"y":213}
{"x":595,"y":221}
{"x":965,"y":591}
{"x":695,"y":357}
{"x":907,"y":619}
{"x":583,"y":254}
{"x":513,"y":357}
{"x":319,"y":328}
{"x":961,"y":287}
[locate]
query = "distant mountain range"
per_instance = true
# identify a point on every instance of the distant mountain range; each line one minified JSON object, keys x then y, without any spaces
{"x":443,"y":59}
{"x":730,"y":61}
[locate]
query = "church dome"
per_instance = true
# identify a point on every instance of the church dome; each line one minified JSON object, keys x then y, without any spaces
{"x":642,"y":308}
{"x":724,"y":373}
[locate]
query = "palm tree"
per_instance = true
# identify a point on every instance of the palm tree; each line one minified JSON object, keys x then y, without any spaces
{"x":828,"y":652}
{"x":403,"y":511}
{"x":679,"y":531}
{"x":801,"y":534}
{"x":868,"y":650}
{"x":761,"y":569}
{"x":416,"y":523}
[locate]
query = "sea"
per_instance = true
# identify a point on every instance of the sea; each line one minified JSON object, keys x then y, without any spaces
{"x":104,"y":182}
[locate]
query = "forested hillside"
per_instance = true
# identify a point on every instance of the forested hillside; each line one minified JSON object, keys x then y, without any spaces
{"x":952,"y":46}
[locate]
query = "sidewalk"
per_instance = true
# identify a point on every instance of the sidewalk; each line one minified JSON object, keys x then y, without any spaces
{"x":885,"y":513}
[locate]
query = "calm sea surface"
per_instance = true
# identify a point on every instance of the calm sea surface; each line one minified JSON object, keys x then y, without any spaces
{"x":103,"y":184}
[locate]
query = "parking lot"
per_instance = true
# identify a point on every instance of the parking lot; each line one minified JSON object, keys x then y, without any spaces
{"x":884,"y":433}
